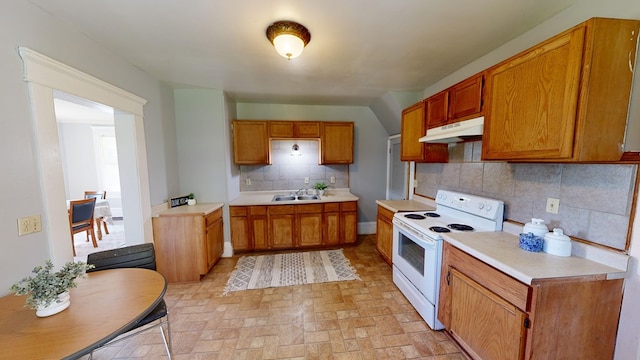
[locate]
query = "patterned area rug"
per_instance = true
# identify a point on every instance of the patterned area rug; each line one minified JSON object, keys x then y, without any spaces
{"x":264,"y":271}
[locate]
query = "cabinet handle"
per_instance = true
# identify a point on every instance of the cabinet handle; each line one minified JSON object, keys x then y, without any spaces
{"x":448,"y":277}
{"x":630,"y":62}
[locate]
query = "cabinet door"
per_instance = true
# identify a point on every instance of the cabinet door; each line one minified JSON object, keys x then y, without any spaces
{"x":281,"y":129}
{"x":310,"y":229}
{"x":413,"y":127}
{"x":465,"y":99}
{"x":239,"y":228}
{"x":349,"y":222}
{"x":384,"y":234}
{"x":484,"y":324}
{"x":331,"y":230}
{"x":336,"y":143}
{"x":532,"y":100}
{"x":250,"y":142}
{"x":259,"y":227}
{"x":307,"y":129}
{"x":215,"y":241}
{"x":436,"y":109}
{"x":282,"y":226}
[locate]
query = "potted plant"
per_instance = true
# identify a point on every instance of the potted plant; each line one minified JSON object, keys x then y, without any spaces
{"x":320,"y":188}
{"x":191,"y":200}
{"x":47,"y":291}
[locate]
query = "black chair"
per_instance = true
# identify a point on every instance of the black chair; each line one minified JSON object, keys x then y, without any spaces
{"x":135,"y":256}
{"x":81,"y":219}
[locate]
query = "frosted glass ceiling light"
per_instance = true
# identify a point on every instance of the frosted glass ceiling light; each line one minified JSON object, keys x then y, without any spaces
{"x":288,"y":37}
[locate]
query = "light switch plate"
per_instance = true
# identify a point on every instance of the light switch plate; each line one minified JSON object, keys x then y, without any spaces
{"x":306,"y":179}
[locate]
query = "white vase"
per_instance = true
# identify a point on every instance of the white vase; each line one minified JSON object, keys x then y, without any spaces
{"x":320,"y":192}
{"x":62,"y":302}
{"x":191,"y":202}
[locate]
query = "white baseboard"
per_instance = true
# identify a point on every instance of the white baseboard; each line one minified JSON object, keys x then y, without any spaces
{"x":228,"y":250}
{"x":367,"y":228}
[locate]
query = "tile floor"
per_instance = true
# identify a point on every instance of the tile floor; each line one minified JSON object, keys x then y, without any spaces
{"x":368,"y":319}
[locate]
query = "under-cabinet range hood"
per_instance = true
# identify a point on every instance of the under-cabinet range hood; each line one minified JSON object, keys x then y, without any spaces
{"x":455,"y":132}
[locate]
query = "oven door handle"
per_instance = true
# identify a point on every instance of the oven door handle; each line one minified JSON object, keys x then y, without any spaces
{"x":425,"y":240}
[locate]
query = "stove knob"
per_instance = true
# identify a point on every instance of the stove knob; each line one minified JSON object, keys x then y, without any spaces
{"x":488,"y":207}
{"x":480,"y":206}
{"x":443,"y":197}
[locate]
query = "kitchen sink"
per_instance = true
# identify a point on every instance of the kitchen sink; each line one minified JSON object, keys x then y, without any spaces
{"x":295,"y":197}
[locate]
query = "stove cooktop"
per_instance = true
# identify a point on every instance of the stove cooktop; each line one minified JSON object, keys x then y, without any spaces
{"x":456,"y":212}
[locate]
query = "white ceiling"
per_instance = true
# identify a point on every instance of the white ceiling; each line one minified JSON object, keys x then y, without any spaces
{"x":359,"y":49}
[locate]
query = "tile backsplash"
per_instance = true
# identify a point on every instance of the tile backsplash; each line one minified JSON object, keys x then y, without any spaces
{"x":288,"y":172}
{"x":595,"y":199}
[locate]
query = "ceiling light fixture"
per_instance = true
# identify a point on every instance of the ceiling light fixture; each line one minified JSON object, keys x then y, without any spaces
{"x":288,"y":37}
{"x":295,"y":150}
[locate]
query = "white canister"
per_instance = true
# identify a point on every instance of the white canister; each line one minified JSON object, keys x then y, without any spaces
{"x":536,"y":226}
{"x":557,"y":243}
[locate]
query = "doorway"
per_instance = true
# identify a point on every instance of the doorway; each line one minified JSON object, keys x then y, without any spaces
{"x":44,"y":76}
{"x":397,"y":171}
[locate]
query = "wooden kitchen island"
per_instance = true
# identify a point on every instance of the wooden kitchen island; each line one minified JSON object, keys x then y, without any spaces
{"x":189,"y":240}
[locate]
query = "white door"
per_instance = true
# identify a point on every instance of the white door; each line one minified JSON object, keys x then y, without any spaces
{"x":397,"y":171}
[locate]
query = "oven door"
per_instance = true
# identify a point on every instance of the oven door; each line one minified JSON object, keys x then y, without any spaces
{"x":418,"y":257}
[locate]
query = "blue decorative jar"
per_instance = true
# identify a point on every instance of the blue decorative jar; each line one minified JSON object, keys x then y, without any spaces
{"x":531,"y":242}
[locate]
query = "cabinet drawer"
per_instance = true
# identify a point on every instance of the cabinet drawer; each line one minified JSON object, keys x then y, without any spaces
{"x":385,"y":213}
{"x":212,"y":217}
{"x":281,"y":209}
{"x":501,"y":284}
{"x":309,"y":209}
{"x":258,"y":210}
{"x":332,"y":207}
{"x":238,"y":210}
{"x":349,"y":206}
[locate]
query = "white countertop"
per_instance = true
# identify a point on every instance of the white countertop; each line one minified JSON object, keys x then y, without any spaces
{"x":248,"y":198}
{"x":502,"y":251}
{"x":190,"y":210}
{"x":405,"y":205}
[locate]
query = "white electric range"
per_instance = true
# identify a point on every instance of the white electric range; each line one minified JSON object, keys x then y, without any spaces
{"x":417,"y":244}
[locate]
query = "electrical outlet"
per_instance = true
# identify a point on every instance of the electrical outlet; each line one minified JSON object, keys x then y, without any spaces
{"x":24,"y":226}
{"x":553,"y":205}
{"x":247,"y":182}
{"x":36,"y":223}
{"x":333,"y":179}
{"x":306,"y":179}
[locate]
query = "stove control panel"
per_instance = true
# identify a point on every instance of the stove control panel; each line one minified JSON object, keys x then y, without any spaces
{"x":475,"y":205}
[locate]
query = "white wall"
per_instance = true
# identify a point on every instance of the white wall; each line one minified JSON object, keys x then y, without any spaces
{"x":368,"y":172}
{"x":628,"y":342}
{"x":22,"y":24}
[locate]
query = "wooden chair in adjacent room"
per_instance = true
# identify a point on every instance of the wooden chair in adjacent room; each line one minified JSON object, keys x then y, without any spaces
{"x":99,"y":196}
{"x":135,"y":256}
{"x":81,"y":219}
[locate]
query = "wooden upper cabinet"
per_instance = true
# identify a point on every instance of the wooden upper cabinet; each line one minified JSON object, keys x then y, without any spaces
{"x":465,"y":99}
{"x":250,"y":142}
{"x":413,"y":127}
{"x":336,"y":143}
{"x":565,"y":99}
{"x":294,"y":129}
{"x":460,"y":102}
{"x":437,"y":109}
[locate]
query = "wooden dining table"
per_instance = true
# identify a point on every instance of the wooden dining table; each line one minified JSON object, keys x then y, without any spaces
{"x":105,"y":304}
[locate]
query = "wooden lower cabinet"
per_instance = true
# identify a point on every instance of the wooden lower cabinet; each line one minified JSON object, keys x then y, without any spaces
{"x":384,"y":233}
{"x":187,"y":245}
{"x":282,"y":226}
{"x":349,"y":222}
{"x":275,"y":227}
{"x":494,"y":316}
